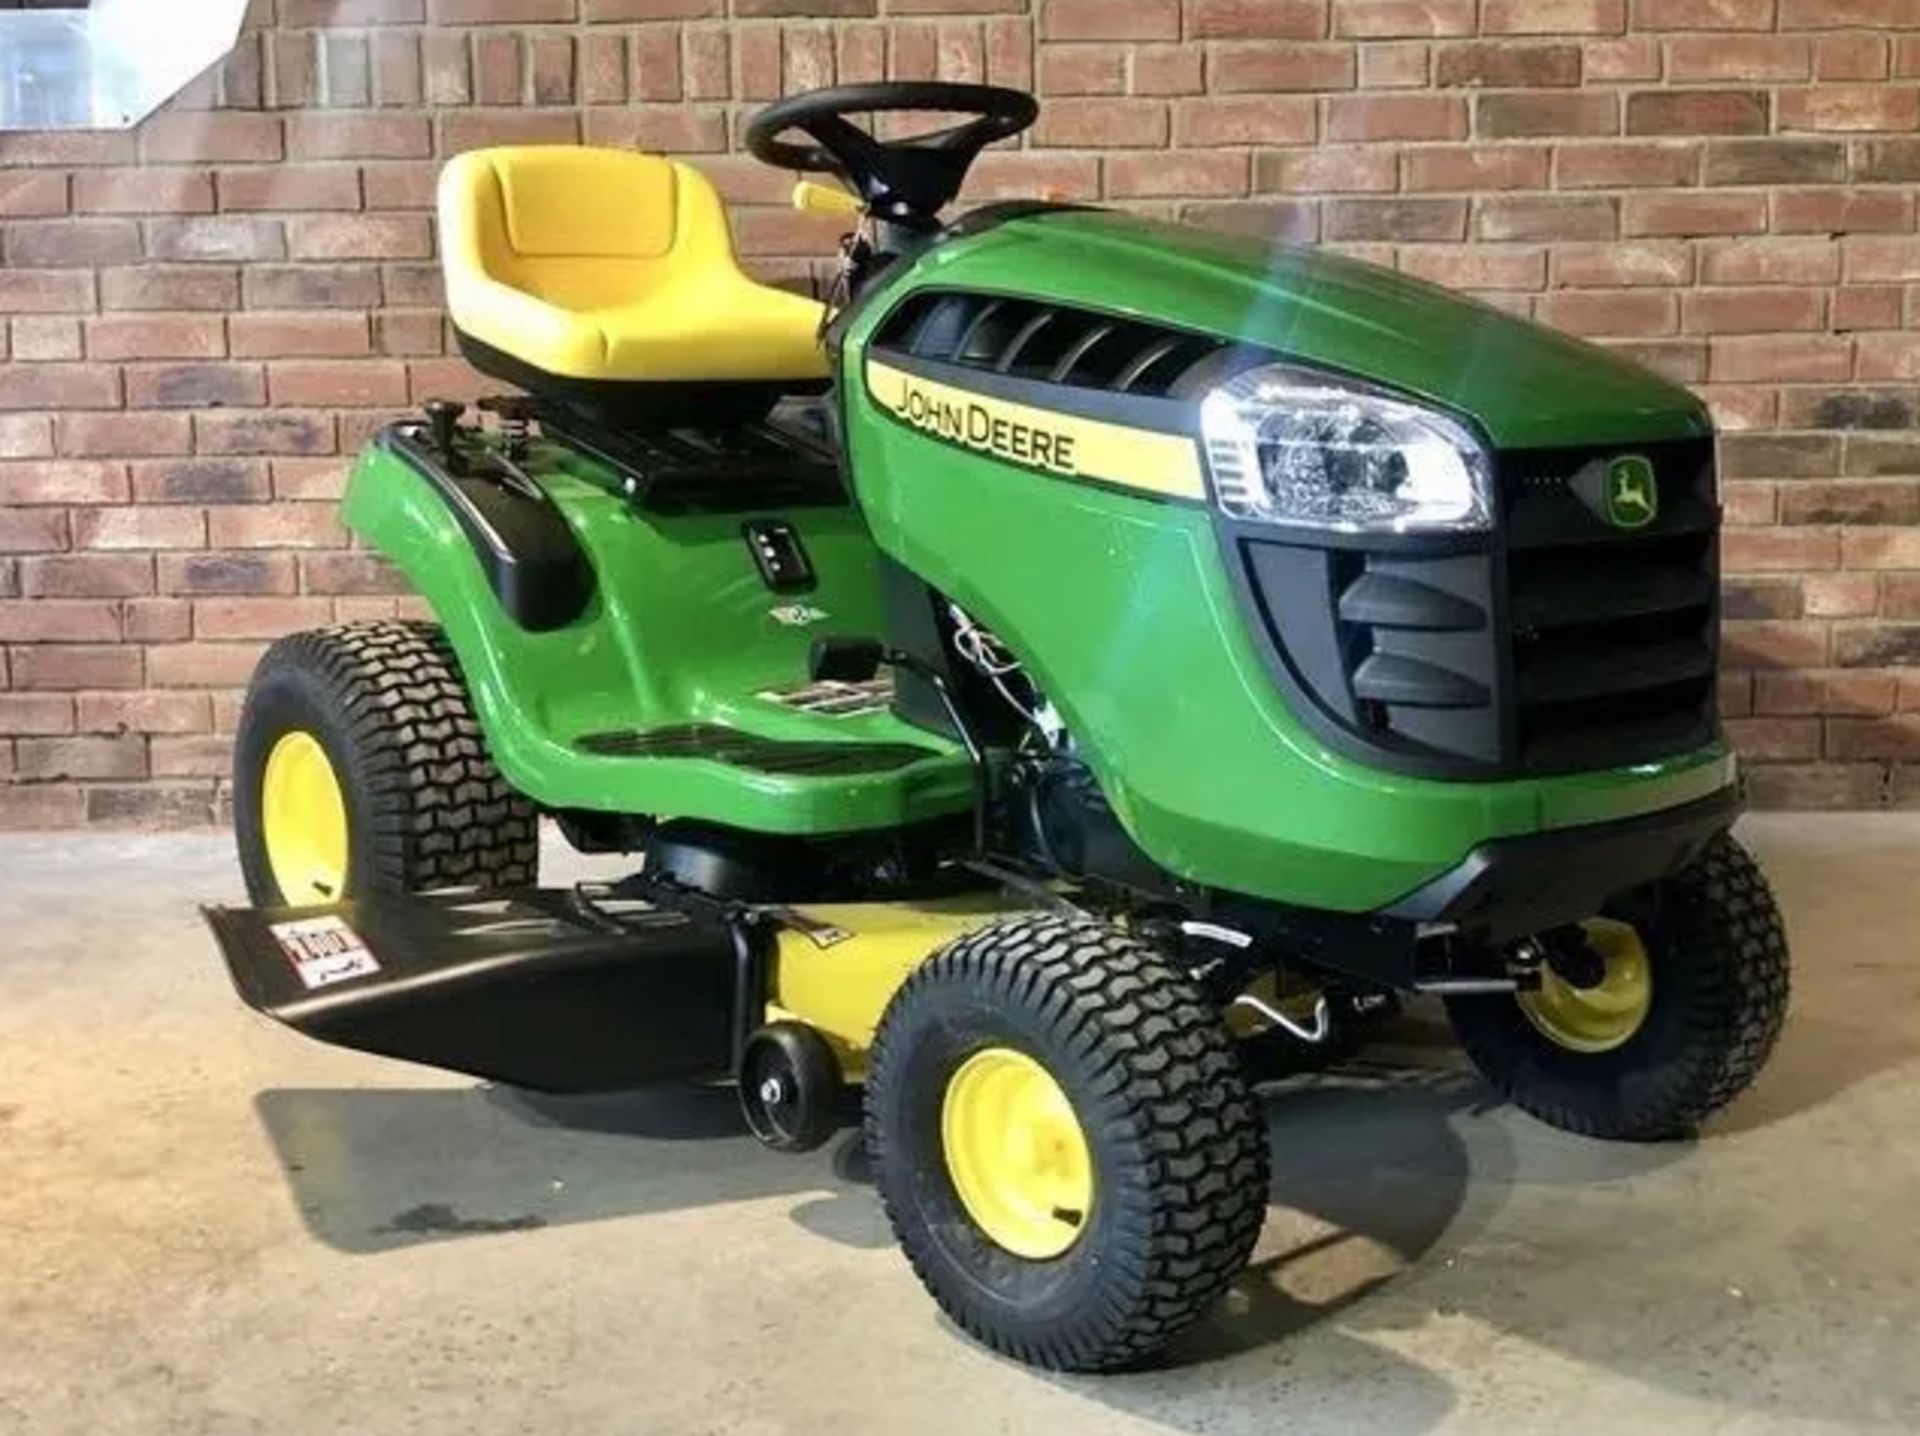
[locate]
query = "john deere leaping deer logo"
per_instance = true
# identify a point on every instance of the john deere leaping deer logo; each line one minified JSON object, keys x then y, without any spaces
{"x":1633,"y":494}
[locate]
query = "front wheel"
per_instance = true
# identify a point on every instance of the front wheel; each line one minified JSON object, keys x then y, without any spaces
{"x":1682,"y":996}
{"x":1066,"y":1146}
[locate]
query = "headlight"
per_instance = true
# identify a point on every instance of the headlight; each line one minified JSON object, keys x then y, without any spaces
{"x":1290,"y":446}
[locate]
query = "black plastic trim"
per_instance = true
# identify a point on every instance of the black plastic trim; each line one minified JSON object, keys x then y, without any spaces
{"x":1397,"y":545}
{"x":974,"y":325}
{"x":1144,"y":362}
{"x":706,"y":467}
{"x":717,"y":743}
{"x":1018,"y":344}
{"x":1571,"y":597}
{"x":1101,"y":331}
{"x":1393,"y":678}
{"x":1509,"y":887}
{"x":918,"y":623}
{"x":531,"y":557}
{"x":1150,"y":342}
{"x":1384,"y":600}
{"x":643,"y":403}
{"x":1311,"y":671}
{"x":1596,"y":671}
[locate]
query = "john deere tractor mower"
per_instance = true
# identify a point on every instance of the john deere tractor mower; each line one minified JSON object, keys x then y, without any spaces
{"x":1078,"y":653}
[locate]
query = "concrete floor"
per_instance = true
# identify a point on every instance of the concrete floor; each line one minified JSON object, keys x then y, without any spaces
{"x":209,"y":1225}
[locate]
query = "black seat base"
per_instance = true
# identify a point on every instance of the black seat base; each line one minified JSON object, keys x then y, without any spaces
{"x":699,"y":466}
{"x":640,"y":405}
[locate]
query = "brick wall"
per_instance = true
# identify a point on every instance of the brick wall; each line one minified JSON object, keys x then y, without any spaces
{"x":204,"y":319}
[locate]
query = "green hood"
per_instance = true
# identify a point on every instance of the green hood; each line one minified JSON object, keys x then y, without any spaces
{"x":1527,"y":386}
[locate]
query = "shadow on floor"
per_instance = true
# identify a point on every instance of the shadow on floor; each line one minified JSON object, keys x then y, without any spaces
{"x":1370,"y":1152}
{"x":1399,"y":1198}
{"x":1369,"y":1178}
{"x":374,"y":1169}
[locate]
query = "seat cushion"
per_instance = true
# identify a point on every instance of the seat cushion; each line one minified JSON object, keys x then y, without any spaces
{"x":610,"y":266}
{"x":737,"y":330}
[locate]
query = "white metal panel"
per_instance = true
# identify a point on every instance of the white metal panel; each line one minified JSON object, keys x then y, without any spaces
{"x":107,"y":67}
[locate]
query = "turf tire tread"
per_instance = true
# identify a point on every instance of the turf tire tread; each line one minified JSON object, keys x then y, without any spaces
{"x":1728,"y":929}
{"x":442,"y":815}
{"x":1171,"y":1095}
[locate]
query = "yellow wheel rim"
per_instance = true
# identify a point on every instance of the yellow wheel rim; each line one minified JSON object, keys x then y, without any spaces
{"x":1602,"y":1017}
{"x":1016,"y":1153}
{"x":303,"y":821}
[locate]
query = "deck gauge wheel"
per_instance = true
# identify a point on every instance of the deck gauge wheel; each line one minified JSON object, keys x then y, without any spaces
{"x":790,"y":1085}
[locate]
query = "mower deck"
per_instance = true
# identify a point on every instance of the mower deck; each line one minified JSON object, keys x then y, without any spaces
{"x":590,"y":988}
{"x":541,"y":988}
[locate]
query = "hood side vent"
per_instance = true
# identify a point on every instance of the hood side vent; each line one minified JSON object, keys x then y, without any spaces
{"x":1045,"y":343}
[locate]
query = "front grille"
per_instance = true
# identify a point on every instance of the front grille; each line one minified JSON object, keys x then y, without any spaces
{"x":1047,"y":343}
{"x":1562,"y":643}
{"x":1613,"y":633}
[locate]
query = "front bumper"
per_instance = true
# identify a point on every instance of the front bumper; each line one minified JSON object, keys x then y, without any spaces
{"x":1508,"y":887}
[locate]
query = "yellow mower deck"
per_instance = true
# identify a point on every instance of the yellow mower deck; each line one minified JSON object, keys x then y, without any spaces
{"x":571,"y":990}
{"x":838,"y":965}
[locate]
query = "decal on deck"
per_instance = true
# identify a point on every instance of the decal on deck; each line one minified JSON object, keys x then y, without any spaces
{"x":323,"y":951}
{"x":821,"y":934}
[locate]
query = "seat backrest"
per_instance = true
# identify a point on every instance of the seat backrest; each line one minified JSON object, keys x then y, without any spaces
{"x":564,"y":201}
{"x":577,"y":227}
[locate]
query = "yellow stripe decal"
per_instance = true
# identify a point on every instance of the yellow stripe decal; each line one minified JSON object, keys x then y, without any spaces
{"x":1043,"y":439}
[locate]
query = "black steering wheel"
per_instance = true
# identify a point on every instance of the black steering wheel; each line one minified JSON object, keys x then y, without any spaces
{"x":906,"y":182}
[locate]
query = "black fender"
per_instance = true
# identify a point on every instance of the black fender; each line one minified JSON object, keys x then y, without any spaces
{"x":532,"y":559}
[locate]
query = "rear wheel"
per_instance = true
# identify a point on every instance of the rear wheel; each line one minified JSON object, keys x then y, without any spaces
{"x":359,"y":767}
{"x":1068,"y":1151}
{"x":1668,"y":1014}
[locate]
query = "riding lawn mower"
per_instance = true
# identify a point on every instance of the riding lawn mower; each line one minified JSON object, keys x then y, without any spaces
{"x":1075,"y":657}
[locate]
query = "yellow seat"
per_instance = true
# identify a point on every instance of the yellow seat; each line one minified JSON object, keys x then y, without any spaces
{"x":608,"y":265}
